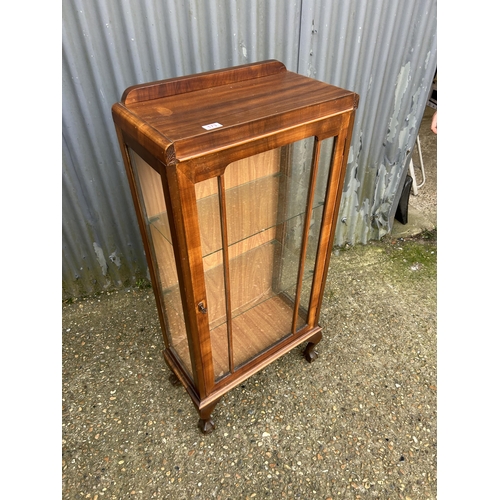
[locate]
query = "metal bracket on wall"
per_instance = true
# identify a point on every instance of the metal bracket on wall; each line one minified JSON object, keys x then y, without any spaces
{"x":416,"y":187}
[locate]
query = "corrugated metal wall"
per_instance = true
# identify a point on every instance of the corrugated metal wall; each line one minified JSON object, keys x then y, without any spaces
{"x":384,"y":50}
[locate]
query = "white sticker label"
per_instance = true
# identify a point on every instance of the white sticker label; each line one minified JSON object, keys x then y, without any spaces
{"x":211,"y":126}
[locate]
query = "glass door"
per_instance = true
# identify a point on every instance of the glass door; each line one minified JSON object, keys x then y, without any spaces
{"x":260,"y":225}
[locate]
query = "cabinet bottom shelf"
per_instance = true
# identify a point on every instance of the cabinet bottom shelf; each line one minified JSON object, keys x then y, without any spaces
{"x":253,"y":332}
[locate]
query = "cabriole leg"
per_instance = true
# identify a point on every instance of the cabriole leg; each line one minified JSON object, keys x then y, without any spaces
{"x":206,"y":424}
{"x":309,"y":353}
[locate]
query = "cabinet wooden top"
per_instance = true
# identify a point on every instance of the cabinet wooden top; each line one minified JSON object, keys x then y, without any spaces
{"x":202,"y":113}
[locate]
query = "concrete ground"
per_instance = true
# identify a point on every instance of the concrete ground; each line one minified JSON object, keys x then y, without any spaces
{"x":357,"y":423}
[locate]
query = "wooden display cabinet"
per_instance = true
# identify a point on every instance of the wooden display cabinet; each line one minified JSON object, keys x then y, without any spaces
{"x":236,"y":177}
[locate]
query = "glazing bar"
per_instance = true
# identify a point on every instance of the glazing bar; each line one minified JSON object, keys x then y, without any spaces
{"x":225,"y":258}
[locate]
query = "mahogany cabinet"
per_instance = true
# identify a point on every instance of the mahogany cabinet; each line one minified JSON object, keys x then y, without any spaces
{"x":236,"y":177}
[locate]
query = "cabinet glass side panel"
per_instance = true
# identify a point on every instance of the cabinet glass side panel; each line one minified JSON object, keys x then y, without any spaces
{"x":152,"y":199}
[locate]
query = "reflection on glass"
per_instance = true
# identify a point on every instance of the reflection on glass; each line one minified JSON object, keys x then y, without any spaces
{"x":325,"y":159}
{"x":266,"y":200}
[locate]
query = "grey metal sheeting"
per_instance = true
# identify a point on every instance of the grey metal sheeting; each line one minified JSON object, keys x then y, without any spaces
{"x":383,"y":50}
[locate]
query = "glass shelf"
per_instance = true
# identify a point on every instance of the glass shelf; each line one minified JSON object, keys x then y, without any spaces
{"x":248,"y":226}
